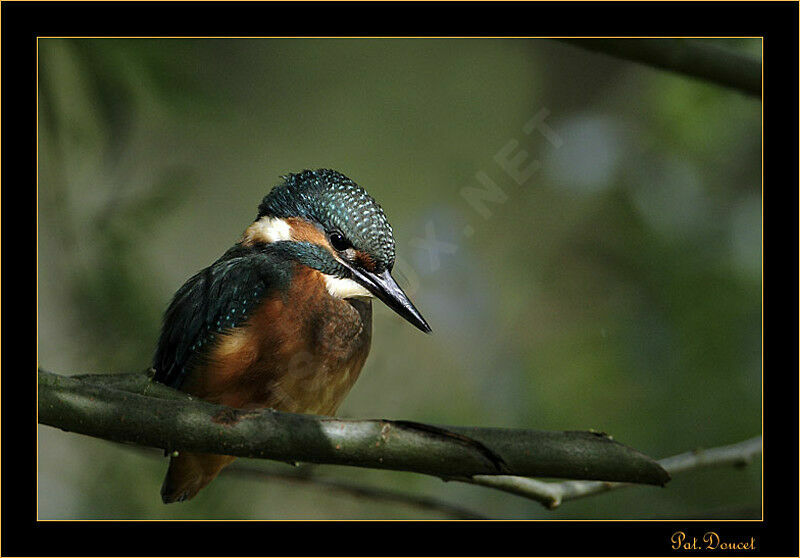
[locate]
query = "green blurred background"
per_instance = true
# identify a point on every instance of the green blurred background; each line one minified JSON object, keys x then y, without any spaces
{"x":618,"y":288}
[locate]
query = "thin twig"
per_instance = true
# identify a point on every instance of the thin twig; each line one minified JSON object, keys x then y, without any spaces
{"x":702,"y":60}
{"x":552,"y":494}
{"x":359,"y":490}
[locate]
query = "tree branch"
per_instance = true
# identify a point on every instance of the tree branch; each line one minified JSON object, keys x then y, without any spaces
{"x":552,"y":494}
{"x":134,"y":409}
{"x":693,"y":58}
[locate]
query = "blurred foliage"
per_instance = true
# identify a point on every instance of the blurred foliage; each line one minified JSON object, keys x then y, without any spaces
{"x":619,"y":288}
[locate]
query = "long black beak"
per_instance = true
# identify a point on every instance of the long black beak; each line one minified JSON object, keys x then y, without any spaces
{"x":383,"y":286}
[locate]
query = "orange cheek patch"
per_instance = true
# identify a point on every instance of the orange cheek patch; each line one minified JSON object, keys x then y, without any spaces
{"x":303,"y":231}
{"x":364,"y":260}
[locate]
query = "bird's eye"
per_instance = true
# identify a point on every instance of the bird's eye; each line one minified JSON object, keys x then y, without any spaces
{"x":339,"y":242}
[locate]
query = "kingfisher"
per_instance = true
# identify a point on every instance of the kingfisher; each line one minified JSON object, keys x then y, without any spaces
{"x":283,"y":319}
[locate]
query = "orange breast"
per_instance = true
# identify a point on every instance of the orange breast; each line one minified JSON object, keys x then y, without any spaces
{"x":301,"y":352}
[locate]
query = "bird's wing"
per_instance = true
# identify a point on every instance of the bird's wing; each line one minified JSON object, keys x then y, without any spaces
{"x":213,"y":302}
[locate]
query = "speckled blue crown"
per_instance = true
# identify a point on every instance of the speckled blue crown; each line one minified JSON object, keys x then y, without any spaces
{"x":337,"y":204}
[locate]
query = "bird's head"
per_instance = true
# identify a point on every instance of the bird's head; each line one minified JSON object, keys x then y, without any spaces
{"x":334,"y":226}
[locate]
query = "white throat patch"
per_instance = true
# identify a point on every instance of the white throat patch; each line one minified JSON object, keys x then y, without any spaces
{"x":344,"y":288}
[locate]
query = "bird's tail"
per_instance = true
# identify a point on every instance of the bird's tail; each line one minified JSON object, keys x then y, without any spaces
{"x":188,"y":473}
